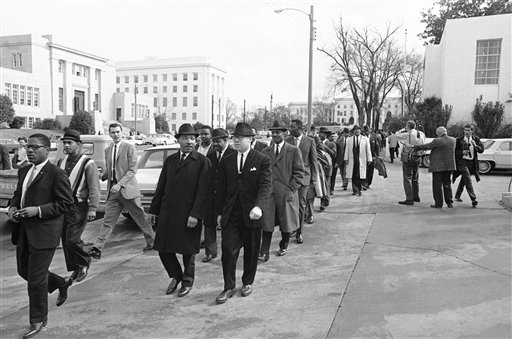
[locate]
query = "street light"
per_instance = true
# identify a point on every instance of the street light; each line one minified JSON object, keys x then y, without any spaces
{"x":311,"y":38}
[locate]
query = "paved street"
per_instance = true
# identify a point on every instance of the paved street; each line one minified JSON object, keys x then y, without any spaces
{"x":368,"y":268}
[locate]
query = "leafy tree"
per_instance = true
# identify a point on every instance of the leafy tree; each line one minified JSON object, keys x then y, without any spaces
{"x":431,"y":114}
{"x":6,"y":110}
{"x":17,"y":122}
{"x":197,"y":126}
{"x":49,"y":124}
{"x":351,"y":121}
{"x":82,"y":122}
{"x":435,"y":17}
{"x":161,"y":125}
{"x":505,"y":131}
{"x":488,"y":117}
{"x":395,"y":123}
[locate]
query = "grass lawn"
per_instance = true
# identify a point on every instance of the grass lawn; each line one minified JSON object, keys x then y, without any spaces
{"x":13,"y":133}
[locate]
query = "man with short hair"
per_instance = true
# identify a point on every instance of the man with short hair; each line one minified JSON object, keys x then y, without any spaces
{"x":123,"y":191}
{"x":410,"y":137}
{"x":245,"y":185}
{"x":342,"y":140}
{"x":180,"y":204}
{"x":392,"y":145}
{"x":466,"y":158}
{"x":42,"y":197}
{"x":83,"y":175}
{"x":442,"y":163}
{"x":222,"y":148}
{"x":205,"y":146}
{"x":328,"y":152}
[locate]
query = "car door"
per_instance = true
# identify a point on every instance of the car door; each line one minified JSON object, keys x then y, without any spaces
{"x":503,"y":155}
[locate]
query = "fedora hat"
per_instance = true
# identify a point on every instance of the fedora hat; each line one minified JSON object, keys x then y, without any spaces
{"x":278,"y":126}
{"x":356,"y":127}
{"x":219,"y":133}
{"x":186,"y":129}
{"x":325,"y":130}
{"x":243,"y":129}
{"x":72,"y":135}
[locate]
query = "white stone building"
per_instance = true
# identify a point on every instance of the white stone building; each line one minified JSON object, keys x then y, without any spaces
{"x":48,"y":80}
{"x":181,"y":88}
{"x":473,"y":59}
{"x":346,"y":107}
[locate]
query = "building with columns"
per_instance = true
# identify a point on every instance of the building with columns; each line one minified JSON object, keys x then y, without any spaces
{"x":185,"y":90}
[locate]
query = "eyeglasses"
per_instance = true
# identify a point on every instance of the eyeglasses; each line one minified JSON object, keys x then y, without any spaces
{"x":35,"y":147}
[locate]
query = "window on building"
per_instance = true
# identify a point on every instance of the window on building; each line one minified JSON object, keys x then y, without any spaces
{"x":155,"y":102}
{"x":126,"y":89}
{"x":118,"y":80}
{"x":195,"y":88}
{"x":173,"y":128}
{"x":487,"y":70}
{"x":118,"y":90}
{"x":15,"y":94}
{"x":164,"y":77}
{"x":97,"y":102}
{"x":175,"y":89}
{"x":183,"y":116}
{"x":126,"y":79}
{"x":132,"y":111}
{"x":8,"y":90}
{"x":145,"y":90}
{"x":344,"y":106}
{"x":61,"y":99}
{"x":164,"y":89}
{"x":145,"y":78}
{"x":174,"y":76}
{"x":155,"y":89}
{"x":30,"y":122}
{"x":164,"y":102}
{"x":96,"y":74}
{"x":155,"y":77}
{"x":22,"y":95}
{"x":195,"y":102}
{"x":61,"y":66}
{"x":175,"y":102}
{"x":196,"y":76}
{"x":396,"y":106}
{"x":194,"y":116}
{"x":173,"y":116}
{"x":36,"y":97}
{"x":29,"y":96}
{"x":185,"y":89}
{"x":184,"y":101}
{"x":185,"y":76}
{"x":136,"y":79}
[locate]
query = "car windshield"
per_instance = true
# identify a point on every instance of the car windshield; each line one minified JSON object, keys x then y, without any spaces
{"x":155,"y":158}
{"x":488,"y":144}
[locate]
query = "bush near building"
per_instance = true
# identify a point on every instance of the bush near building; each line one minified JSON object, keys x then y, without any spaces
{"x":161,"y":125}
{"x":488,"y":118}
{"x":17,"y":123}
{"x":49,"y":124}
{"x":6,"y":110}
{"x":431,"y":114}
{"x":82,"y":122}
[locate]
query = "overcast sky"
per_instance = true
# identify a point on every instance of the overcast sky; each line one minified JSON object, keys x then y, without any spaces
{"x":261,"y":51}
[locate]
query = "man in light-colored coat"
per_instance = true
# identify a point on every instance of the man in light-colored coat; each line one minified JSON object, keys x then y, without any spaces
{"x":287,"y":175}
{"x":442,"y":163}
{"x":357,"y":156}
{"x":123,"y":191}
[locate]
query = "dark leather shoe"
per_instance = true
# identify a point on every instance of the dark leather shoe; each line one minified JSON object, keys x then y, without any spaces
{"x":344,"y":188}
{"x":263,"y":257}
{"x":406,"y":202}
{"x":63,"y":291}
{"x":282,"y":251}
{"x":95,"y":253}
{"x":246,"y":290}
{"x":458,"y":199}
{"x":358,"y":194}
{"x":435,"y":206}
{"x":224,"y":296}
{"x":416,"y":200}
{"x":172,"y":286}
{"x":299,"y":239}
{"x":354,"y":193}
{"x":35,"y":328}
{"x":209,"y":257}
{"x":148,"y":248}
{"x":474,"y":203}
{"x":81,"y":273}
{"x":184,"y":290}
{"x":311,"y":219}
{"x":450,"y":205}
{"x":322,"y":208}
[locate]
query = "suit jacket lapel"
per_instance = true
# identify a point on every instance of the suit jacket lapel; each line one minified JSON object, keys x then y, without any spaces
{"x":282,"y":150}
{"x":192,"y":156}
{"x":248,"y":161}
{"x":40,"y":174}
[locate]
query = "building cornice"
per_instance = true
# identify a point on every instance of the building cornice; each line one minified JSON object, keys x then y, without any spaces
{"x":75,"y":51}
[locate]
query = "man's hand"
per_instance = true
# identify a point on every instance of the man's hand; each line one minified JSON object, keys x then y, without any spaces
{"x":28,"y":212}
{"x":255,"y":213}
{"x":152,"y":218}
{"x":14,"y":214}
{"x":115,"y":188}
{"x":91,"y":215}
{"x":192,"y":222}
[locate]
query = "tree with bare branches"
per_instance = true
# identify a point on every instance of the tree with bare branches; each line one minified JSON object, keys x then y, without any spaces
{"x":368,"y":64}
{"x":411,"y":79}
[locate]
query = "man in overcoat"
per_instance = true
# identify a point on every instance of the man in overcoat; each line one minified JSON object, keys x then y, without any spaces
{"x":180,"y":203}
{"x":287,"y":175}
{"x":342,"y":140}
{"x":245,"y":185}
{"x":466,"y":158}
{"x":220,"y":148}
{"x":42,"y":197}
{"x":357,"y":157}
{"x":307,"y":148}
{"x":442,"y":163}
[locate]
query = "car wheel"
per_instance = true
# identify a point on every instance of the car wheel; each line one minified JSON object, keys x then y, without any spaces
{"x":426,"y":160}
{"x":484,"y":167}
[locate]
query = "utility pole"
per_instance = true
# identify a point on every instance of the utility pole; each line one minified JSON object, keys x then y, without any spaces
{"x":310,"y":75}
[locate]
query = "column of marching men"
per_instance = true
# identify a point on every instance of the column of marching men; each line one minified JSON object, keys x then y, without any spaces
{"x":246,"y":190}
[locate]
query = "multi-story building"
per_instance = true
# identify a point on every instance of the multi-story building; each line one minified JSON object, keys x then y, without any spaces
{"x":185,"y":90}
{"x":48,"y":80}
{"x":345,"y":108}
{"x":473,"y":59}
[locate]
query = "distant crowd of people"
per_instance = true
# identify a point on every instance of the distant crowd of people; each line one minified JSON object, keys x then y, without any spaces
{"x":246,"y":190}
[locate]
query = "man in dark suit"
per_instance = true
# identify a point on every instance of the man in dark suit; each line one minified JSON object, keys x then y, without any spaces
{"x":442,"y":163}
{"x":466,"y":158}
{"x":309,"y":157}
{"x":205,"y":146}
{"x":244,"y":187}
{"x":180,"y":203}
{"x":342,"y":140}
{"x":42,"y":197}
{"x":375,"y":150}
{"x":221,"y":149}
{"x":256,"y":144}
{"x":329,"y":151}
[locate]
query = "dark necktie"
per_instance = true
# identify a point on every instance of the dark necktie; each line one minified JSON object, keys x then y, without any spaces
{"x":241,"y":162}
{"x":277,"y":151}
{"x":220,"y":156}
{"x":114,"y":178}
{"x":183,"y":155}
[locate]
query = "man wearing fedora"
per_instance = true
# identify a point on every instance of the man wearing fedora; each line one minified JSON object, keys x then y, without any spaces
{"x":83,"y":176}
{"x":357,"y":157}
{"x":180,"y":203}
{"x":329,"y":153}
{"x":309,"y":157}
{"x":287,"y":174}
{"x":123,"y":191}
{"x":220,"y":148}
{"x":245,"y":185}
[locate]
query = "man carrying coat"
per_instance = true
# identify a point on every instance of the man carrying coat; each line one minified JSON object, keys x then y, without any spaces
{"x":287,"y":174}
{"x":180,"y":203}
{"x":245,"y":185}
{"x":357,"y":157}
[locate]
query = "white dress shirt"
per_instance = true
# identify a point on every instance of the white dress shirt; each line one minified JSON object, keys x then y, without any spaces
{"x":34,"y":171}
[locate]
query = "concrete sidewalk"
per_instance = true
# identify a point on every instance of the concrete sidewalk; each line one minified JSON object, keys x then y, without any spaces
{"x":368,"y":268}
